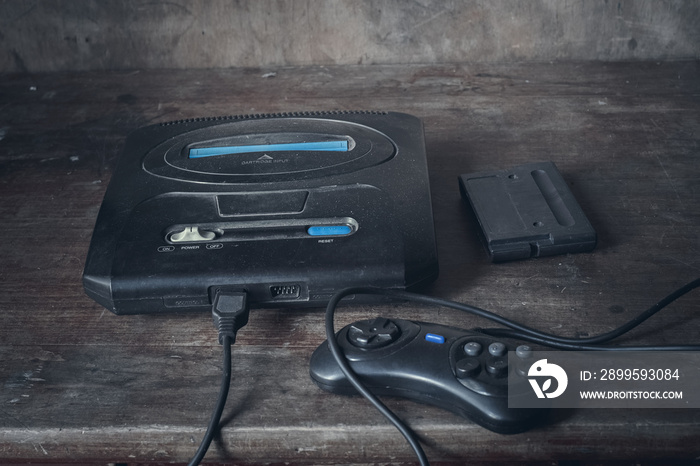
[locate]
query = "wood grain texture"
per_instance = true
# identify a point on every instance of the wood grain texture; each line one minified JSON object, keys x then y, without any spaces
{"x":82,"y":384}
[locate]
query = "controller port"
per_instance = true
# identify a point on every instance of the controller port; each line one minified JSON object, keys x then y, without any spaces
{"x":285,"y":291}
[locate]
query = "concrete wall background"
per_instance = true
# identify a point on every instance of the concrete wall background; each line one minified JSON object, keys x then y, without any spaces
{"x":56,"y":35}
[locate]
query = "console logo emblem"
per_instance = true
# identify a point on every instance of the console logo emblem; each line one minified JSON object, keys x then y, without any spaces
{"x":542,"y":369}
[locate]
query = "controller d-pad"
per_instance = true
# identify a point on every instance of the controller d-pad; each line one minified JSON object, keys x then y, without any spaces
{"x":372,"y":334}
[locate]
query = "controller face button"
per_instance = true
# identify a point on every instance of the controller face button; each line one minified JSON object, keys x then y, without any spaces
{"x":523,"y":352}
{"x":472,"y":348}
{"x":373,"y":334}
{"x":497,"y":367}
{"x":468,"y":367}
{"x":497,"y":349}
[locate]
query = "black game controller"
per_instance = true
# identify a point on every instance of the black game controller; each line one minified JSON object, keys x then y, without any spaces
{"x":462,"y":371}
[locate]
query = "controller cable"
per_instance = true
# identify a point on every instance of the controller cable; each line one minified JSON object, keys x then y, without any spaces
{"x":517,"y":331}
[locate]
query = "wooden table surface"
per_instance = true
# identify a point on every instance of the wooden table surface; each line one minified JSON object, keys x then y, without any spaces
{"x":81,"y":384}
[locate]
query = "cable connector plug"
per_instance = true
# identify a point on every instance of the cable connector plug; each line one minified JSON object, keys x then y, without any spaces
{"x":230,"y":312}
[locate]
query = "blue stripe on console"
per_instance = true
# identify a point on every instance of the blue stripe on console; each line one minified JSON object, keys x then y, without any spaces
{"x":330,"y":146}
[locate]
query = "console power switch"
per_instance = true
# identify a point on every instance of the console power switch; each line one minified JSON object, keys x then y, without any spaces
{"x":192,"y":234}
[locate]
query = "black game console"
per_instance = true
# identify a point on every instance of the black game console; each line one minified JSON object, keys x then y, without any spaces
{"x":289,"y":208}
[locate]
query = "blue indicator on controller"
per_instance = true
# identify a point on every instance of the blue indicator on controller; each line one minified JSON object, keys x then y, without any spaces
{"x":434,"y":338}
